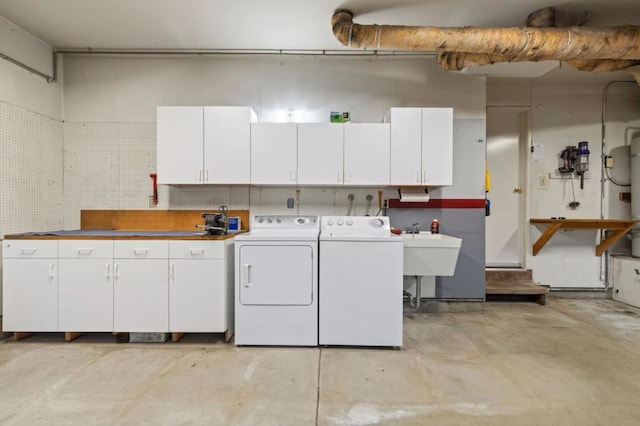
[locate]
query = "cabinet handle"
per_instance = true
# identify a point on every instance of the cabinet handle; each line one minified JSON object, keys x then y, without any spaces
{"x":196,"y":252}
{"x":418,"y":176}
{"x":85,"y":250}
{"x":137,"y":252}
{"x":200,"y":175}
{"x":116,"y":271}
{"x":172,"y":272}
{"x":293,"y":176}
{"x":107,"y":271}
{"x":340,"y":179}
{"x":247,"y":280}
{"x":347,"y":176}
{"x":206,"y":175}
{"x":51,"y":274}
{"x":28,"y":251}
{"x":424,"y":177}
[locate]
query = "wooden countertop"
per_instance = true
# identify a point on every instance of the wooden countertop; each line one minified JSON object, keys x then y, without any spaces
{"x":618,"y":226}
{"x":119,"y":235}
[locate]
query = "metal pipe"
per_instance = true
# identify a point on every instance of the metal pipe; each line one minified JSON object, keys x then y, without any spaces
{"x":351,"y":198}
{"x":519,"y":44}
{"x":239,"y":52}
{"x":50,"y":78}
{"x":368,"y":209}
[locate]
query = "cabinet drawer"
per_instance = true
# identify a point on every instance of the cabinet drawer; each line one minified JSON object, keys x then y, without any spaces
{"x":196,"y":249}
{"x":140,"y":249}
{"x":35,"y":249}
{"x":85,"y":249}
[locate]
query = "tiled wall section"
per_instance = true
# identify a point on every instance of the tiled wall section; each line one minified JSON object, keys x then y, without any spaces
{"x":31,"y":171}
{"x":107,"y":166}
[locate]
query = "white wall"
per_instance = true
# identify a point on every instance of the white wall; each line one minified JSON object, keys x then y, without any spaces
{"x":562,"y":114}
{"x":23,"y":88}
{"x":129,"y":89}
{"x":31,"y":145}
{"x":110,"y":105}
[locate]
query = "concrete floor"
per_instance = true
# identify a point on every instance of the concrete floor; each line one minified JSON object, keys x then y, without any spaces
{"x":571,"y":362}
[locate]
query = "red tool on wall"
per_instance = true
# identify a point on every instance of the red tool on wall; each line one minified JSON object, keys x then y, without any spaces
{"x":154,"y":177}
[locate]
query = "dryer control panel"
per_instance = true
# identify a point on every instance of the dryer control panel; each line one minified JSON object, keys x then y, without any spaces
{"x":284,"y":222}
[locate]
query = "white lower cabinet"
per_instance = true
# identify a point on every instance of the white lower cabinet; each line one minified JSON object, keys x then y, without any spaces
{"x":140,"y":286}
{"x":30,"y":285}
{"x":85,"y":285}
{"x":198,"y":287}
{"x":179,"y":286}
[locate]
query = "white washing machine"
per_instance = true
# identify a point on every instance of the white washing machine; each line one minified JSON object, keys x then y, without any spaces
{"x":276,"y":281}
{"x":360,"y":282}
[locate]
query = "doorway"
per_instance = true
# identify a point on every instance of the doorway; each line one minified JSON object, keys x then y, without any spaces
{"x":506,"y":142}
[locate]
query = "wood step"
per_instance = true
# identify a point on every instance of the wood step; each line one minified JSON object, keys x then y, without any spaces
{"x":509,"y":275}
{"x":516,"y":291}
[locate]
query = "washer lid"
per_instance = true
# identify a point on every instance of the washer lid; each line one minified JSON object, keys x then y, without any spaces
{"x":391,"y":238}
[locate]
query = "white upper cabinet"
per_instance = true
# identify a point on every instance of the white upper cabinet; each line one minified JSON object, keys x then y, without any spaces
{"x":200,"y":145}
{"x":274,"y":153}
{"x":320,"y":153}
{"x":366,"y":153}
{"x":227,"y":144}
{"x":180,"y":134}
{"x":421,"y":146}
{"x":437,"y":146}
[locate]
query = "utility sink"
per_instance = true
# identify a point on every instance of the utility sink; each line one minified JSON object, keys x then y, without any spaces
{"x":427,"y":254}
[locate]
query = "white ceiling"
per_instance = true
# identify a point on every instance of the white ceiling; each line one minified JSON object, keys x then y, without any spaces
{"x":270,"y":24}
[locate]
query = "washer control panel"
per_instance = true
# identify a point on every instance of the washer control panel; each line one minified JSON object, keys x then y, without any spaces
{"x":284,"y":222}
{"x":356,"y":225}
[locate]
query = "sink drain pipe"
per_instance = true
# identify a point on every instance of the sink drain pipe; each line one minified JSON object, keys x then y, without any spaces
{"x":414,"y":301}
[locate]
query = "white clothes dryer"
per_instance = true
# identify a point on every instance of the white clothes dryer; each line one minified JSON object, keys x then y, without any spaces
{"x":276,"y":281}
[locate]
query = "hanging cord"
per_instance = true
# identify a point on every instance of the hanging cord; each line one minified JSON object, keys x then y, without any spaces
{"x":574,"y":204}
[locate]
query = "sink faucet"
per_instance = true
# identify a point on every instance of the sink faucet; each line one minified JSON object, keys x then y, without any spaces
{"x":414,"y":229}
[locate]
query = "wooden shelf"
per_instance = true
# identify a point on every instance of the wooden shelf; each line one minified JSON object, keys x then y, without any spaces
{"x":620,"y":228}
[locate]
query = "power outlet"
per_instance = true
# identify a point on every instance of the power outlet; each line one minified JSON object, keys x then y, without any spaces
{"x":543,"y":180}
{"x":151,"y":203}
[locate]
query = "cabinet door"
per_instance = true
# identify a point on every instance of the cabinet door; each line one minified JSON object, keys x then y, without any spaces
{"x":197,"y":295}
{"x":406,"y":146}
{"x":274,"y":153}
{"x":320,"y":154}
{"x":366,"y":154}
{"x":179,"y":143}
{"x":141,"y":295}
{"x":85,"y":296}
{"x":30,"y":294}
{"x":437,"y":146}
{"x":227,"y":142}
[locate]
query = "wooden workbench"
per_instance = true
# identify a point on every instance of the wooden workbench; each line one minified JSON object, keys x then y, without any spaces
{"x":619,"y":228}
